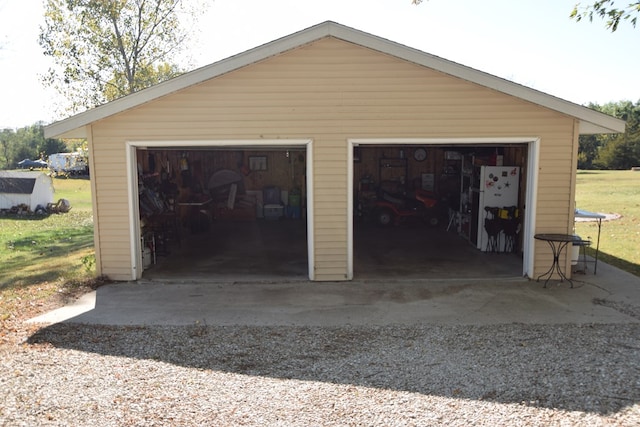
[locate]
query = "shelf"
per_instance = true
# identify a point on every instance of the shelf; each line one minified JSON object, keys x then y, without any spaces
{"x":393,"y":169}
{"x":392,"y":163}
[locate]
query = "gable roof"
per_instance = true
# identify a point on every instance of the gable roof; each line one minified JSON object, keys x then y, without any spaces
{"x":591,"y":121}
{"x":17,"y":183}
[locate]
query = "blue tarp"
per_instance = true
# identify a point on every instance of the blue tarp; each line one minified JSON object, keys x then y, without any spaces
{"x":28,"y":164}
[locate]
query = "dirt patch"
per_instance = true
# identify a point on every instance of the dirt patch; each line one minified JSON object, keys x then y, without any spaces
{"x":622,"y":307}
{"x":24,"y":303}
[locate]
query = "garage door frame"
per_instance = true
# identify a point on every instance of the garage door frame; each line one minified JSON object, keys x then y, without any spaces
{"x":533,"y":153}
{"x":258,"y":144}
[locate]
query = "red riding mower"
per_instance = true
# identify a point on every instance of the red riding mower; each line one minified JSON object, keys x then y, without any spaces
{"x":394,"y":208}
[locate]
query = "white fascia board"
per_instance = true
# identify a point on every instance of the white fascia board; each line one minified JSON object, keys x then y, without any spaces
{"x":588,"y":128}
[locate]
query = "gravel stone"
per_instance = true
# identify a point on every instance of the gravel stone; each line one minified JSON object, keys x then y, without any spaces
{"x":396,"y":375}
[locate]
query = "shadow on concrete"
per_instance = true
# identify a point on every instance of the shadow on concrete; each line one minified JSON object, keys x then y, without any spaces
{"x":505,"y":341}
{"x":485,"y":363}
{"x":620,"y":263}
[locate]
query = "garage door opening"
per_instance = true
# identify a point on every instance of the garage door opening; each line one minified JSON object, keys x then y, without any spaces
{"x":427,"y":210}
{"x":221,"y":213}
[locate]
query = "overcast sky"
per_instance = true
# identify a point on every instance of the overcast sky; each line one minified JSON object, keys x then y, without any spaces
{"x":531,"y":42}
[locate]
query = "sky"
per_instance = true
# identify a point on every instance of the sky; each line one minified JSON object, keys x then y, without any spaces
{"x":530,"y":42}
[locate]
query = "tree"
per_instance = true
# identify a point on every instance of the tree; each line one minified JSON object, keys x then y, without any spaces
{"x":621,"y":151}
{"x":146,"y":77}
{"x":105,"y":49}
{"x":5,"y":139}
{"x":607,"y":9}
{"x":588,"y":148}
{"x":27,"y":143}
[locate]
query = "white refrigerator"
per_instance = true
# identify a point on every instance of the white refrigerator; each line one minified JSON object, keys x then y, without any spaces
{"x":499,"y":187}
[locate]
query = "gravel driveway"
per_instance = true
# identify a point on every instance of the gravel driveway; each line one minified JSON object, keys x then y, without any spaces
{"x":512,"y":374}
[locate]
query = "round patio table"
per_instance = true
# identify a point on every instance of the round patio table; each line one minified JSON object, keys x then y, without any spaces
{"x":557,"y":242}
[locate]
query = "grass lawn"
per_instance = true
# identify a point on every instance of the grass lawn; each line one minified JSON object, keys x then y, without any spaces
{"x":44,"y":255}
{"x":612,"y":192}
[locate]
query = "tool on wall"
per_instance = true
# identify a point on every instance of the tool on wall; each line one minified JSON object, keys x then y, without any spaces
{"x":184,"y":170}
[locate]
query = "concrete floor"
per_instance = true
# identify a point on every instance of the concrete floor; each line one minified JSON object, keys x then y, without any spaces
{"x":421,"y":252}
{"x":610,"y":297}
{"x":230,"y":266}
{"x":277,"y":250}
{"x":242,"y":250}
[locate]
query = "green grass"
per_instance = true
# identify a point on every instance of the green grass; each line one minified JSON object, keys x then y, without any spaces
{"x":77,"y":191}
{"x":53,"y":248}
{"x":612,"y":192}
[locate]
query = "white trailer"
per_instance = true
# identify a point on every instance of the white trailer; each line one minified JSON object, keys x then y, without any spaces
{"x":68,"y":163}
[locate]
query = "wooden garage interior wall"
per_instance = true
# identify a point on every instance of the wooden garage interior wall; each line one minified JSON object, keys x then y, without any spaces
{"x":327,"y":91}
{"x":446,"y":173}
{"x":284,"y":167}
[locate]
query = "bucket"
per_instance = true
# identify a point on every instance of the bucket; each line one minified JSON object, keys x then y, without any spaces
{"x":293,"y":212}
{"x":294,"y":200}
{"x":146,"y":258}
{"x":575,"y":254}
{"x":575,"y":248}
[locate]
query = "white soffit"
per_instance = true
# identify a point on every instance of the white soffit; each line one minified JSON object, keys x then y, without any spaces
{"x":590,"y":121}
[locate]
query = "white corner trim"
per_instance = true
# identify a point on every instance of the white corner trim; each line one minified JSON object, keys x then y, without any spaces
{"x":311,"y":257}
{"x":350,"y":201}
{"x":531,"y":208}
{"x":134,"y":215}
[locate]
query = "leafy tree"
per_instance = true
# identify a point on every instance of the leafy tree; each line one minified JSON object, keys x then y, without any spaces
{"x":619,"y":154}
{"x":5,"y":137}
{"x":27,"y":143}
{"x":605,"y":9}
{"x":105,"y":49}
{"x":609,"y":11}
{"x":588,"y":151}
{"x":50,"y":146}
{"x":623,"y":151}
{"x":147,"y":76}
{"x":620,"y":151}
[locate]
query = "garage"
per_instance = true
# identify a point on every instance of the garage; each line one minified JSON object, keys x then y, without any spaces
{"x":335,"y":116}
{"x":420,"y":209}
{"x":222,"y":211}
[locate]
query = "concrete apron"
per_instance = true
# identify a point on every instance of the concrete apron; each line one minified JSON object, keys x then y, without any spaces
{"x":464,"y":301}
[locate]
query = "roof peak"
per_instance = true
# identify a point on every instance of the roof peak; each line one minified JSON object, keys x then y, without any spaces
{"x":591,"y":121}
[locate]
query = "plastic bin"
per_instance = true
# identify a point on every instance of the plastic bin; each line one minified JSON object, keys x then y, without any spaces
{"x":271,"y":196}
{"x":272,"y":212}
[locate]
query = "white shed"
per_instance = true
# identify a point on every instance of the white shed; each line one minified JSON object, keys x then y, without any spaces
{"x":29,"y":188}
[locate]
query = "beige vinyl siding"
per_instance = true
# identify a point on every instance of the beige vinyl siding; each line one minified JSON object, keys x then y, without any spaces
{"x":112,"y":218}
{"x":328,"y":91}
{"x":330,"y":193}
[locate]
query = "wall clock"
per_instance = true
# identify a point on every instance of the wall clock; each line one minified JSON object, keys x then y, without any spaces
{"x":420,"y":154}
